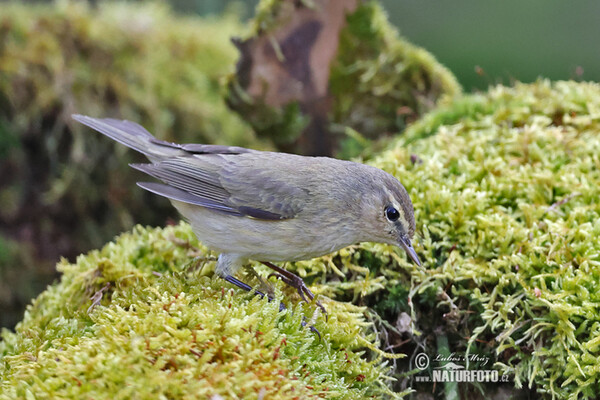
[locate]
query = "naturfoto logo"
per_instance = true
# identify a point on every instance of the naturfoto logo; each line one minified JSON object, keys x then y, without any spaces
{"x":450,"y":369}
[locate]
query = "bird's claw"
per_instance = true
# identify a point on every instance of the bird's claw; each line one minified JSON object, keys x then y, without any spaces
{"x":311,"y":327}
{"x":300,"y":287}
{"x":297,"y":283}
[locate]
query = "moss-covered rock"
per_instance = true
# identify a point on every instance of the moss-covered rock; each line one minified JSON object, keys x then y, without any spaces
{"x":137,"y":320}
{"x":124,"y":60}
{"x":504,"y":186}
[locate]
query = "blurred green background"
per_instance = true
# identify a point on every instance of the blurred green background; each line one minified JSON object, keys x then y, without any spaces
{"x":485,"y":43}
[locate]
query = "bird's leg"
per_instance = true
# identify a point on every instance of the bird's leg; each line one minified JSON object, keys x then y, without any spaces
{"x":296,"y":282}
{"x":248,"y":288}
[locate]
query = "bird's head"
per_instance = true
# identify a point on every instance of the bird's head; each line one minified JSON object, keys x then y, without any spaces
{"x":388,"y":214}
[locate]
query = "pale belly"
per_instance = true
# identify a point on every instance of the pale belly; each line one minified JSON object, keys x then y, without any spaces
{"x":286,"y":240}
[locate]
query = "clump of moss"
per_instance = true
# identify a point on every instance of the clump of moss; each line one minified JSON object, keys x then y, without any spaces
{"x":505,"y":189}
{"x":138,"y":319}
{"x":124,"y":60}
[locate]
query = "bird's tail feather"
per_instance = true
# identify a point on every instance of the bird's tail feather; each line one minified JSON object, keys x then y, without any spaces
{"x":131,"y":135}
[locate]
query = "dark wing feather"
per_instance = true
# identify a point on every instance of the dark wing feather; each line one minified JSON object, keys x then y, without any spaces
{"x":243,"y":184}
{"x":205,"y":168}
{"x":181,"y":195}
{"x":215,"y":182}
{"x":215,"y":149}
{"x":186,"y":181}
{"x":196,"y":148}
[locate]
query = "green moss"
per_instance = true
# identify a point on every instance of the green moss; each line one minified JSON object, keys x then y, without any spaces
{"x":170,"y":330}
{"x":282,"y":126}
{"x":505,"y":189}
{"x":138,"y":60}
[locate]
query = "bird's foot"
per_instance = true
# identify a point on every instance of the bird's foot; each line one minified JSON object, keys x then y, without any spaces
{"x":297,"y":283}
{"x":311,"y":327}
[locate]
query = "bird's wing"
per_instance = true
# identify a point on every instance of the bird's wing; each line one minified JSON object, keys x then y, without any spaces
{"x":229,"y":179}
{"x":237,"y":184}
{"x":267,"y":183}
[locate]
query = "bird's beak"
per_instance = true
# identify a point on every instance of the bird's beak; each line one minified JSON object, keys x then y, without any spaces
{"x":404,"y":242}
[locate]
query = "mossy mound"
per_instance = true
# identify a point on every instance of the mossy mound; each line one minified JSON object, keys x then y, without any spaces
{"x":136,"y":320}
{"x":505,"y":188}
{"x":124,"y":60}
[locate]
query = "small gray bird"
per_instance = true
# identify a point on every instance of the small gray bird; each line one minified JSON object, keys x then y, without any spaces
{"x":267,"y":206}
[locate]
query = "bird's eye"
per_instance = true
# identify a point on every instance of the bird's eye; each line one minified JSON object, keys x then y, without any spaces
{"x":391,"y":213}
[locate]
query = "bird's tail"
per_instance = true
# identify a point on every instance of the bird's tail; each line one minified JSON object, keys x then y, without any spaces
{"x":131,"y":135}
